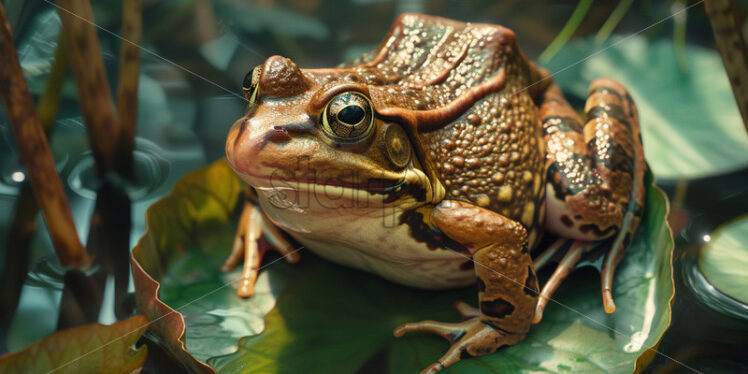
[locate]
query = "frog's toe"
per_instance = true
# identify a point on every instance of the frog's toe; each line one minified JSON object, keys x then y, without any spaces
{"x":564,"y":268}
{"x":469,"y":338}
{"x":466,"y":310}
{"x":236,"y":256}
{"x":453,"y":355}
{"x":433,"y":368}
{"x":449,"y":331}
{"x":453,"y":332}
{"x":246,"y":287}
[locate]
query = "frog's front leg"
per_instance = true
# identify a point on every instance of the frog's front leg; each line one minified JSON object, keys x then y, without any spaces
{"x":250,"y":246}
{"x":508,"y":288}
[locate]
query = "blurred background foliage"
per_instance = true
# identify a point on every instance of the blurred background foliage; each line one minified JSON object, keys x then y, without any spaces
{"x":196,"y":52}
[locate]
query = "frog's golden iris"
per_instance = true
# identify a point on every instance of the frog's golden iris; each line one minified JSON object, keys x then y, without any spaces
{"x":348,"y":118}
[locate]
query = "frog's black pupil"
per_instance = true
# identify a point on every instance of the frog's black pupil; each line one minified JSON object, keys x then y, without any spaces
{"x":247,"y":82}
{"x":351,"y":115}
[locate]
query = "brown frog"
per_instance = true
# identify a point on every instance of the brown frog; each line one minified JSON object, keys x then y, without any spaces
{"x":438,"y":160}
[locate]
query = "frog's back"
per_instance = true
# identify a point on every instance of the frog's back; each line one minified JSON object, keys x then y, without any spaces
{"x":484,"y":147}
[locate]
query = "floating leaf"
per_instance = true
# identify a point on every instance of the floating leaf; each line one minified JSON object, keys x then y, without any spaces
{"x":690,"y":123}
{"x":219,"y":51}
{"x":36,"y":52}
{"x":215,"y":322}
{"x":336,"y":319}
{"x":93,"y":348}
{"x":724,"y":260}
{"x":178,"y":259}
{"x":256,"y":18}
{"x":330,"y":318}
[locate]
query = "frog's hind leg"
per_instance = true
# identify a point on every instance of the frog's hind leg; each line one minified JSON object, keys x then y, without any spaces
{"x":250,"y":246}
{"x":595,"y":186}
{"x":610,"y":105}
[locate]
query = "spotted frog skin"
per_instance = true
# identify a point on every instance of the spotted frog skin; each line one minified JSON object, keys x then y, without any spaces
{"x":439,"y":160}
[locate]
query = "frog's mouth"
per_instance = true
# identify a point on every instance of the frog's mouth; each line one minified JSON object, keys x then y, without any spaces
{"x":388,"y":190}
{"x":398,"y":188}
{"x":373,"y":185}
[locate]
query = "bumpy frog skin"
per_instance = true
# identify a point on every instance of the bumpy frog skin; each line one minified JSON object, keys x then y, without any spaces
{"x":438,"y":160}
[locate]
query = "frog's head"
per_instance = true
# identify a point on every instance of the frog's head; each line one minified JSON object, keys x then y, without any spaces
{"x":318,"y":131}
{"x":386,"y":124}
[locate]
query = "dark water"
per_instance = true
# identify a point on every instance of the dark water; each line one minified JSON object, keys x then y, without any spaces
{"x":699,"y":336}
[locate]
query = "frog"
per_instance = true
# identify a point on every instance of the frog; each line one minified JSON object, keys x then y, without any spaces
{"x":441,"y":159}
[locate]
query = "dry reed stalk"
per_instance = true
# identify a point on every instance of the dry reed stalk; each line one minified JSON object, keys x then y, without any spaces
{"x":127,"y":85}
{"x":729,"y":39}
{"x":37,"y":155}
{"x":94,"y":93}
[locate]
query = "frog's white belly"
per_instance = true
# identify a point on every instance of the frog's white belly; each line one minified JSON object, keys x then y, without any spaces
{"x":371,"y":239}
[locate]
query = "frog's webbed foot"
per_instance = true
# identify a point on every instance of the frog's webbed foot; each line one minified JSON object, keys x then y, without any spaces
{"x":469,"y":338}
{"x":250,"y":246}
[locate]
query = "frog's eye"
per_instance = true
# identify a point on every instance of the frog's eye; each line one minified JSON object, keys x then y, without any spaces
{"x":250,"y":85}
{"x":348,"y":117}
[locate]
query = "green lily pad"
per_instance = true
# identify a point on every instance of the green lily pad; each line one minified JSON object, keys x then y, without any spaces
{"x":329,"y":318}
{"x":255,"y":18}
{"x":724,"y":260}
{"x":690,"y":122}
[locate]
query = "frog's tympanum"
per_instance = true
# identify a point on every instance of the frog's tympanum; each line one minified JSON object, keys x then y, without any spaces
{"x":439,"y":160}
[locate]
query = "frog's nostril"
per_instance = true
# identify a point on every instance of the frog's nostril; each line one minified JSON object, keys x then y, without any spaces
{"x":278,"y":134}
